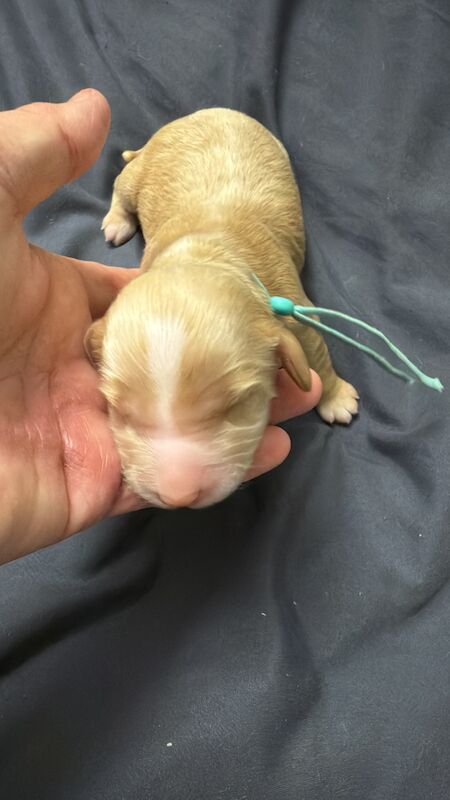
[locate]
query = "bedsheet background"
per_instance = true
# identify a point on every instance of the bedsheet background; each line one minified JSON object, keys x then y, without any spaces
{"x":294,"y":641}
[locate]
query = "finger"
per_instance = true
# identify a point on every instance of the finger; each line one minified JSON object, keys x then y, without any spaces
{"x":273,"y":450}
{"x":292,"y":401}
{"x":102,"y":283}
{"x":45,"y":145}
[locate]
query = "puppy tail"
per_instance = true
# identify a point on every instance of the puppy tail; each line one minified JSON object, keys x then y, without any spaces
{"x":128,"y":155}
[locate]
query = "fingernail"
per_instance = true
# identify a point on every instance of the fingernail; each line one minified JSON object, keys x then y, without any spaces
{"x":80,"y":95}
{"x":97,"y":100}
{"x":87,"y":93}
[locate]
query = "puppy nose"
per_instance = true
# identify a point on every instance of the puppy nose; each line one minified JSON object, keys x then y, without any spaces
{"x":180,"y":477}
{"x":179,"y":500}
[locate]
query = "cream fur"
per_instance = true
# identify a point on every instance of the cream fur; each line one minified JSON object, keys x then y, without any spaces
{"x":216,"y":199}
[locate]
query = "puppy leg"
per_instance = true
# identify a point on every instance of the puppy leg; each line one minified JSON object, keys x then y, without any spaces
{"x":120,"y":223}
{"x":339,"y":401}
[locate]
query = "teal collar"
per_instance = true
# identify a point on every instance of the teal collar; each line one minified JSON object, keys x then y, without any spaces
{"x":286,"y":308}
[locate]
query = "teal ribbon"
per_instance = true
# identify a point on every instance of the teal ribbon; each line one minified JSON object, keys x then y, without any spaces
{"x":286,"y":308}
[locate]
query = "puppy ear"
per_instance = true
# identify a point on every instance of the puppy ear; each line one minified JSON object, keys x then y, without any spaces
{"x":293,"y":359}
{"x":93,"y":341}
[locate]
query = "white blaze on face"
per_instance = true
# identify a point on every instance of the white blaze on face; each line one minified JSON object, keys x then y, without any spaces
{"x":167,"y":341}
{"x":180,"y":459}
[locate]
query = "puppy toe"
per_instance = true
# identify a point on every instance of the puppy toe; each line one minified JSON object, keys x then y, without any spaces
{"x":118,"y":229}
{"x":340,"y":404}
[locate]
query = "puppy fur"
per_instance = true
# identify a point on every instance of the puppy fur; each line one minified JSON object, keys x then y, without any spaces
{"x":188,"y":352}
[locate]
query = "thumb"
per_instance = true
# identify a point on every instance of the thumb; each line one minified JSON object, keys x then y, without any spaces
{"x":45,"y":145}
{"x":100,"y":282}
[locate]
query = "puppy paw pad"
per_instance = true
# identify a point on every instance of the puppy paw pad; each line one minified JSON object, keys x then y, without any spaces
{"x":340,"y":405}
{"x":118,"y":230}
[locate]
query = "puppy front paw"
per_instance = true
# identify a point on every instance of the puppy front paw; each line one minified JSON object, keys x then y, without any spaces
{"x":118,"y":227}
{"x":339,"y":404}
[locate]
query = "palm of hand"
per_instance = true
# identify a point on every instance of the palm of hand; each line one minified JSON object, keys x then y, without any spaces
{"x":61,"y":470}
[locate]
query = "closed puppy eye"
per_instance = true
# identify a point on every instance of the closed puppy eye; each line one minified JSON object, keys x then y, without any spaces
{"x":118,"y":416}
{"x":247,"y":407}
{"x":129,"y":420}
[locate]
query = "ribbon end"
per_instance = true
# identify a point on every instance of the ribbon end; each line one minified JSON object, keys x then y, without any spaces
{"x":431,"y":383}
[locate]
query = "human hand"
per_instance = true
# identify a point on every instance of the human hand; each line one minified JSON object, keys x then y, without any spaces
{"x":59,"y":470}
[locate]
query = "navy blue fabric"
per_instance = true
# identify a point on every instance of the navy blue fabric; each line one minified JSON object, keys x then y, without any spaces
{"x":294,"y":641}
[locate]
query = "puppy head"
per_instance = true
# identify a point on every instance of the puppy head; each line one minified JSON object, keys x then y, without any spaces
{"x":188,"y":361}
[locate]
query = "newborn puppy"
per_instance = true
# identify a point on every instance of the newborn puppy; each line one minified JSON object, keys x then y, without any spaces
{"x":189,"y":350}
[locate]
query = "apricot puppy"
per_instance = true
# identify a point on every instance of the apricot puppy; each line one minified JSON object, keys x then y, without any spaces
{"x":188,"y":351}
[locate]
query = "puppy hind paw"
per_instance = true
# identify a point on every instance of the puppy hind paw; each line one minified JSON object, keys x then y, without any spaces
{"x":118,"y":228}
{"x":340,"y":404}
